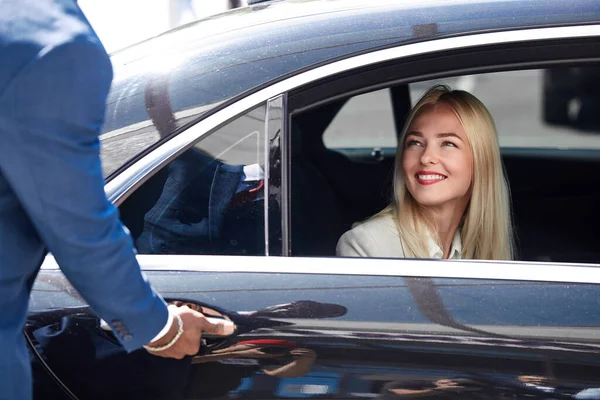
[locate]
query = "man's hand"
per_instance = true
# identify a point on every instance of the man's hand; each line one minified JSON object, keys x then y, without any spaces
{"x":188,"y":344}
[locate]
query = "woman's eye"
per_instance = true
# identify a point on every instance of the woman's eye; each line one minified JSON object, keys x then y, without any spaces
{"x":450,"y":144}
{"x":410,"y":143}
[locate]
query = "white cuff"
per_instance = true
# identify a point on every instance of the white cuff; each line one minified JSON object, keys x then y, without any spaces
{"x":167,"y":326}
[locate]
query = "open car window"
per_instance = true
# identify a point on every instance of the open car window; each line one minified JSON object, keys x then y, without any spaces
{"x":547,"y":122}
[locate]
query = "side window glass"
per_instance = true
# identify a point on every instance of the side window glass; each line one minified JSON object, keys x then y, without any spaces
{"x":548,"y":125}
{"x":209,"y":200}
{"x":365,"y":120}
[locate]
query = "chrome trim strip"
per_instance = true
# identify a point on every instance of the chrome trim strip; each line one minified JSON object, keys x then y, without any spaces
{"x":267,"y":172}
{"x":285,"y":180}
{"x":465,"y":269}
{"x":273,"y":164}
{"x":121,"y":185}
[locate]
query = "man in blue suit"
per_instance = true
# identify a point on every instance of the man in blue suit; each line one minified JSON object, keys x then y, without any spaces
{"x":54,"y":79}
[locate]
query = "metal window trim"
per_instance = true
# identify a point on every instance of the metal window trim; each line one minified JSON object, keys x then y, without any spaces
{"x":267,"y":177}
{"x":285,"y":182}
{"x":274,"y":122}
{"x":453,"y":269}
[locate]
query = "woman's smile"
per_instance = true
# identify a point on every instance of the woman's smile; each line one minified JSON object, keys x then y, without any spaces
{"x":429,"y":178}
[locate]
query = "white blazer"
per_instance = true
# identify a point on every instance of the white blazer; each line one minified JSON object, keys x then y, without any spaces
{"x":379,"y":237}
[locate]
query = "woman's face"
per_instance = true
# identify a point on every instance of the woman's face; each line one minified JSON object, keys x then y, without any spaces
{"x":437,"y":159}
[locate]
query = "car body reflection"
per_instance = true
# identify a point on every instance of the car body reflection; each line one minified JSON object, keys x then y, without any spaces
{"x":317,"y":349}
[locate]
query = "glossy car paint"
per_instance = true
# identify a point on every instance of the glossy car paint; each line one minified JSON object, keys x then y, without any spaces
{"x":340,"y":336}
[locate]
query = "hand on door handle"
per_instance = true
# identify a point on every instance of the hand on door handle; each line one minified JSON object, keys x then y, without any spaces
{"x":186,"y":331}
{"x":189,"y":325}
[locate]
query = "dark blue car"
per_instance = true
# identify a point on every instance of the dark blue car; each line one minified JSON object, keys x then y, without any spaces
{"x":306,"y":100}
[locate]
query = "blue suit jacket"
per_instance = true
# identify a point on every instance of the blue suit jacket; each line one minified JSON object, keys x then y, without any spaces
{"x":54,"y":79}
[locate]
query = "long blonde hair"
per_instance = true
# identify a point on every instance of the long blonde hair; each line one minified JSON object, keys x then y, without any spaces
{"x":486,"y":226}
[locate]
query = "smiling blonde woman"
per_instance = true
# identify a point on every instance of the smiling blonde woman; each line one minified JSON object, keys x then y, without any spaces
{"x":451,"y":198}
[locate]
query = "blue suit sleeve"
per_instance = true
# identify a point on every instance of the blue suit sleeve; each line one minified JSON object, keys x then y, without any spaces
{"x":50,"y":118}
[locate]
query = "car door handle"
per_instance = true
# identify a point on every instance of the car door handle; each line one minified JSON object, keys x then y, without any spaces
{"x":229,"y":328}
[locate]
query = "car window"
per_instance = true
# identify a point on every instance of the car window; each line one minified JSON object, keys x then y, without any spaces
{"x":548,"y":124}
{"x":209,"y":200}
{"x":365,"y":120}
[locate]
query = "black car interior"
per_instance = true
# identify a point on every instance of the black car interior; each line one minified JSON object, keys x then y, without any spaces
{"x":348,"y":190}
{"x":554,"y":191}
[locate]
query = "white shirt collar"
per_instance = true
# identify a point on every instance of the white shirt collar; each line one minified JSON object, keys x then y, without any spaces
{"x":455,"y":250}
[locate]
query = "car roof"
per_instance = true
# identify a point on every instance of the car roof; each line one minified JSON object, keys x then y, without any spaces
{"x":213,"y":61}
{"x":473,"y":15}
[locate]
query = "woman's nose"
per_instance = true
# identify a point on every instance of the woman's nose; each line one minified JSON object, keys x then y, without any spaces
{"x":428,"y":157}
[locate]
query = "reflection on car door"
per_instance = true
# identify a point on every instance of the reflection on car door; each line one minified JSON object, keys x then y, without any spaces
{"x":332,"y":335}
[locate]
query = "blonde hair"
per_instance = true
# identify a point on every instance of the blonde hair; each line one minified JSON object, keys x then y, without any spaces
{"x":486,"y":226}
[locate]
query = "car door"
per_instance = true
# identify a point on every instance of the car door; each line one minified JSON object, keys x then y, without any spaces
{"x":322,"y":328}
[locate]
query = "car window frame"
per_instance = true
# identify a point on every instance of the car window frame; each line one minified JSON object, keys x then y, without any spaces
{"x":305,"y":90}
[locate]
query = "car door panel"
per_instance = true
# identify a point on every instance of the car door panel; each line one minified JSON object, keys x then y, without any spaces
{"x":337,"y":336}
